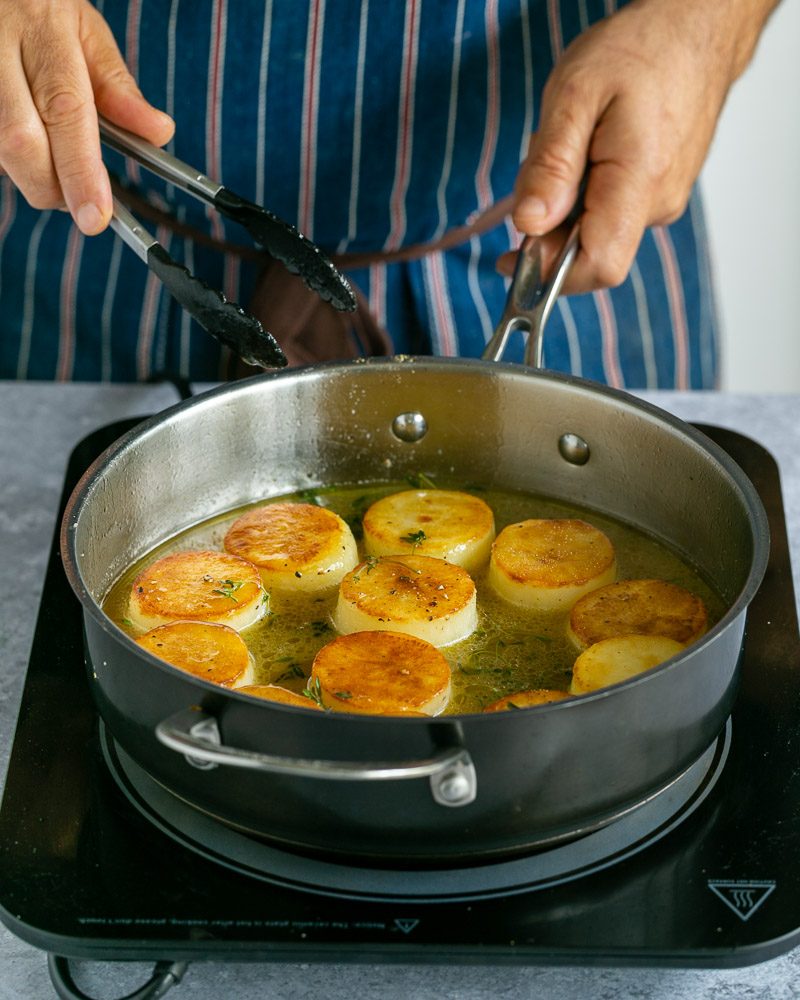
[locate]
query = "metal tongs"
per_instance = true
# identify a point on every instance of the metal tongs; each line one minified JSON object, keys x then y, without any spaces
{"x":532,"y":293}
{"x":223,"y":319}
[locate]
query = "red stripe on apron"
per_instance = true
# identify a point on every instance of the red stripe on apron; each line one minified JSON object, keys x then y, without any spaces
{"x":403,"y":160}
{"x":608,"y":329}
{"x":677,"y":306}
{"x":9,"y":206}
{"x":556,"y":31}
{"x":132,"y":169}
{"x":147,"y":324}
{"x":483,"y":179}
{"x":69,"y":281}
{"x":443,"y":317}
{"x":310,"y":111}
{"x":214,"y":104}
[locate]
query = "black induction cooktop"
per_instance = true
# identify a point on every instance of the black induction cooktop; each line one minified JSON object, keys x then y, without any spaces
{"x":89,"y":867}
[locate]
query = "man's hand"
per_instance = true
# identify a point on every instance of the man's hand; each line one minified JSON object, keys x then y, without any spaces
{"x":635,"y":99}
{"x":59,"y":66}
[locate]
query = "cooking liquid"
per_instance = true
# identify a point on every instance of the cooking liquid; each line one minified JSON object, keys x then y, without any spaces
{"x":513,"y":649}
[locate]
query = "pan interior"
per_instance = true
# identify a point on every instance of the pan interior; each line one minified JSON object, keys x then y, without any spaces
{"x":494,"y":425}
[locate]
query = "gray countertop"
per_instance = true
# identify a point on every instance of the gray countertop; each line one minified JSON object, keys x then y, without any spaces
{"x":39,"y":424}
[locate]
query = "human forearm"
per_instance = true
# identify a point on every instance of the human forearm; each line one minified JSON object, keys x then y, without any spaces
{"x":751,"y":17}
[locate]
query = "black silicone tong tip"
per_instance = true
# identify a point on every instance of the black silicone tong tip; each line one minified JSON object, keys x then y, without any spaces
{"x":297,"y":253}
{"x":223,"y":319}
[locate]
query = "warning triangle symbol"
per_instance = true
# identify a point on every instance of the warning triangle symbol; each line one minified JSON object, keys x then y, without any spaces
{"x":742,"y":896}
{"x":406,"y":924}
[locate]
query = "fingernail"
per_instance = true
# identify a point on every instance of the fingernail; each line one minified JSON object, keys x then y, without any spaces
{"x":531,"y":207}
{"x":89,"y":218}
{"x":166,"y":120}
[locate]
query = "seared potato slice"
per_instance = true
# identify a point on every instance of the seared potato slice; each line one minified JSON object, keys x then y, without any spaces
{"x":446,"y":524}
{"x":298,"y":547}
{"x":611,"y":661}
{"x":638,"y":607}
{"x":203,"y":586}
{"x":381,"y":673}
{"x":214,"y":653}
{"x":524,"y":699}
{"x":273,"y":692}
{"x":428,"y":598}
{"x":547,"y":564}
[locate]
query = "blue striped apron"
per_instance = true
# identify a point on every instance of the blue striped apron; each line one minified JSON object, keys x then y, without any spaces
{"x":370,"y":125}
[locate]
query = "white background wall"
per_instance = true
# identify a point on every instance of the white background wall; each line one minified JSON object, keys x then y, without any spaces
{"x":751,"y":183}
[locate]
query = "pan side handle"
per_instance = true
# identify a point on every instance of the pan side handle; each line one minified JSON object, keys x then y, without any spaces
{"x":196,"y":735}
{"x":531,"y":298}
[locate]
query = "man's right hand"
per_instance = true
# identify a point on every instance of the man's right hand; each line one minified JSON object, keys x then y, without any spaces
{"x":59,"y":67}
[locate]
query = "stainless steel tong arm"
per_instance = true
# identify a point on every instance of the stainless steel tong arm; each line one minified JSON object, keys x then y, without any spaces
{"x":279,"y":238}
{"x":158,"y":160}
{"x":131,"y":231}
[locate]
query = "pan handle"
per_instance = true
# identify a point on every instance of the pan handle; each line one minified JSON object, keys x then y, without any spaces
{"x":531,"y":297}
{"x":196,"y":735}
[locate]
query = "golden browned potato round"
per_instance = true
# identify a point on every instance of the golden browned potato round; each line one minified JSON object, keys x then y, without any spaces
{"x":381,"y":673}
{"x":214,"y":653}
{"x":298,"y":547}
{"x":198,"y":586}
{"x":273,"y":692}
{"x":525,"y":699}
{"x":445,"y":524}
{"x":548,"y":564}
{"x":612,"y":661}
{"x":428,"y":598}
{"x":638,"y":607}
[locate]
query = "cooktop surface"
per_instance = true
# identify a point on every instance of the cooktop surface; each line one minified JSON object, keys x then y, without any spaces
{"x":94,"y":865}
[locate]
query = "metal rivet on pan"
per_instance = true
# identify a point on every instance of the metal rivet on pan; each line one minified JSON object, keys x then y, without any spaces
{"x":457,"y":785}
{"x":574,"y":449}
{"x":410,"y":427}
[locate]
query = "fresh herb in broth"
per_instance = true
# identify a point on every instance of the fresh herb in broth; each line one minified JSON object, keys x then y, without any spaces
{"x":512,"y":649}
{"x":419,"y":481}
{"x":414,"y":538}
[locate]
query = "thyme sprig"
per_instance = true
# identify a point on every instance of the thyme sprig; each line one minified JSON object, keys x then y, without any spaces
{"x":227,"y":588}
{"x":369,"y":565}
{"x":313,"y":690}
{"x":414,"y":538}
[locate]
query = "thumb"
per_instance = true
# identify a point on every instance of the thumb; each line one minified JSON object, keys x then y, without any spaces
{"x":549,"y":180}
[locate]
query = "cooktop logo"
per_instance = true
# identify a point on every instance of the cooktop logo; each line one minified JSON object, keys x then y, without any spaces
{"x":742,"y":896}
{"x":405,"y":924}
